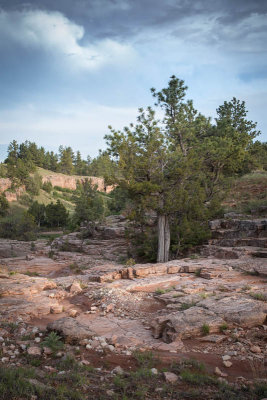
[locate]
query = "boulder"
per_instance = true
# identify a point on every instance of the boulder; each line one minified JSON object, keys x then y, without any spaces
{"x":72,"y":330}
{"x":185,"y":324}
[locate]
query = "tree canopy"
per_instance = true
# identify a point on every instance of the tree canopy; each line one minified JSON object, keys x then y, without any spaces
{"x":177,"y":162}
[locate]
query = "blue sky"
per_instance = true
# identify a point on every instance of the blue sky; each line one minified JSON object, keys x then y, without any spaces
{"x":71,"y":68}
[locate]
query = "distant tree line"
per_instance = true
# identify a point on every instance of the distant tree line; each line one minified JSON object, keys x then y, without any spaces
{"x":23,"y":159}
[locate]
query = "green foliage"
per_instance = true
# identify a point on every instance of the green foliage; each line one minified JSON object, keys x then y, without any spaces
{"x":56,"y":214}
{"x":145,"y":359}
{"x":4,"y":206}
{"x":21,"y":383}
{"x":53,"y":341}
{"x":38,"y":211}
{"x":66,"y":160}
{"x":33,"y":184}
{"x":175,"y":167}
{"x":3,"y":170}
{"x":223,"y":327}
{"x":130,"y":262}
{"x":89,"y":203}
{"x":197,"y":272}
{"x":18,"y":225}
{"x":258,"y":296}
{"x":205,"y":329}
{"x":186,"y":306}
{"x":159,"y":291}
{"x":196,"y":378}
{"x":25,"y":200}
{"x":47,"y":186}
{"x":119,"y":198}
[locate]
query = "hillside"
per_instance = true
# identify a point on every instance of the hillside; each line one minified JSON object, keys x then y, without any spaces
{"x":70,"y":181}
{"x":248,"y":194}
{"x":57,"y":180}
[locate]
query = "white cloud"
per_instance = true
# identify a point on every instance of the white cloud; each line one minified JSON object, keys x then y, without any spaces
{"x":81,"y":126}
{"x":57,"y":35}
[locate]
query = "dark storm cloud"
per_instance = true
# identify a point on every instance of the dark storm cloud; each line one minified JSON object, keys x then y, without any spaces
{"x":126,"y":18}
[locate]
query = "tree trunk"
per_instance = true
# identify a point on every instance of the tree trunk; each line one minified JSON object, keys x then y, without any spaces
{"x":163,"y":238}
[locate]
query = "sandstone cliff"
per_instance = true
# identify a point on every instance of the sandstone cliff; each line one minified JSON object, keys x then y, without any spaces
{"x":56,"y":179}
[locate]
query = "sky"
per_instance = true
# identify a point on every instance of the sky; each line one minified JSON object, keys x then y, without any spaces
{"x":70,"y":68}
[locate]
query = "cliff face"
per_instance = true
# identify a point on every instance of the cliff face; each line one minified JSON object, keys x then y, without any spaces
{"x":70,"y":182}
{"x":5,"y":184}
{"x":61,"y":180}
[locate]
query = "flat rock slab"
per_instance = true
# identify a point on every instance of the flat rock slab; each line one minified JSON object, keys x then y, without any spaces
{"x":38,"y":306}
{"x":238,"y":309}
{"x":185,"y":324}
{"x":121,"y":332}
{"x":213,"y":338}
{"x":19,"y":284}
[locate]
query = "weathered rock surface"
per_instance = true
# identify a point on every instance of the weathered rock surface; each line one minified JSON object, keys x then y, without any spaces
{"x":72,"y":330}
{"x":237,"y":309}
{"x":185,"y":324}
{"x":93,"y":301}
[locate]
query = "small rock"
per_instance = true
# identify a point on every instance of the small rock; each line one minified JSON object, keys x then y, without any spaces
{"x":110,"y":347}
{"x":170,"y":377}
{"x":118,"y":370}
{"x":219,"y":372}
{"x":226,"y":357}
{"x":110,"y":392}
{"x":47,"y":351}
{"x":255,"y":349}
{"x":73,"y":313}
{"x":227,"y":364}
{"x":56,"y":309}
{"x":110,"y":308}
{"x":75,"y":288}
{"x":85,"y":362}
{"x":37,"y":340}
{"x":34,"y":351}
{"x":154,"y":371}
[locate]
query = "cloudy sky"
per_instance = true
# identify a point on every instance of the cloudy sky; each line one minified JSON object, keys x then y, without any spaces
{"x":69,"y":68}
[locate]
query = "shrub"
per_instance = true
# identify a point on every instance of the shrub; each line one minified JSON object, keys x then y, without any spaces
{"x":130,"y":262}
{"x":159,"y":291}
{"x":53,"y":341}
{"x":258,"y":296}
{"x":185,"y":306}
{"x":18,"y":225}
{"x":197,"y":272}
{"x":33,"y":184}
{"x":47,"y":186}
{"x":4,"y":206}
{"x":223,"y":327}
{"x":205,"y":329}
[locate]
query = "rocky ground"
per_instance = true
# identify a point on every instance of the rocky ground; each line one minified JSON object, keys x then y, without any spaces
{"x":210,"y":308}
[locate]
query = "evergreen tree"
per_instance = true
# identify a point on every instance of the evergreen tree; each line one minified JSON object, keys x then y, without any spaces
{"x":4,"y":206}
{"x":56,"y":214}
{"x":89,"y":203}
{"x":66,"y":160}
{"x":38,"y":211}
{"x":175,"y":165}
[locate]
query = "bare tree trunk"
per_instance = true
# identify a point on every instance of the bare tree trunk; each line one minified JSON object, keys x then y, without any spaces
{"x":163,"y":238}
